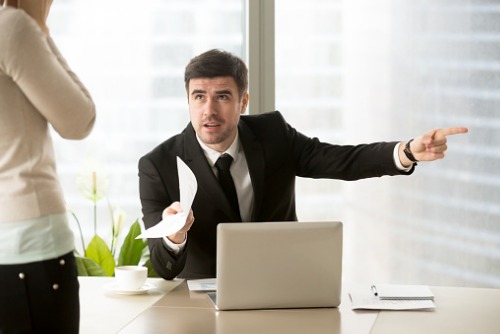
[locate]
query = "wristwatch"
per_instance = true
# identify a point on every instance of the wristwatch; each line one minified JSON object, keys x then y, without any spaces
{"x":408,"y":153}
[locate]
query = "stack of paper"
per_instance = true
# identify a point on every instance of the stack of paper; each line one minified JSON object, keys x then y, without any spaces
{"x":393,"y":297}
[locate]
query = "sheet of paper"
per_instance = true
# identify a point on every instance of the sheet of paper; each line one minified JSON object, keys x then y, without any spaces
{"x":403,"y":291}
{"x":364,"y":299}
{"x":173,"y":223}
{"x":206,"y":284}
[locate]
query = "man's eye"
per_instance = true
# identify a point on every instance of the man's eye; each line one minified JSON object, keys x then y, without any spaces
{"x":198,"y":97}
{"x":223,"y":97}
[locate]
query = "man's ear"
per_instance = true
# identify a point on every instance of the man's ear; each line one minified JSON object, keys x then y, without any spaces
{"x":244,"y":102}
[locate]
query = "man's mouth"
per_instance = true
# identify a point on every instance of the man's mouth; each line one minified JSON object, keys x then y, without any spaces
{"x":211,"y":125}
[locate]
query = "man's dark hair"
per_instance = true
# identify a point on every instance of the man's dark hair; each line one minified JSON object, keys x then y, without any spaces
{"x":217,"y":63}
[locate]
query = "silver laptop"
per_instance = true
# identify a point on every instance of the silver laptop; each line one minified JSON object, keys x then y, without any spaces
{"x":278,"y":265}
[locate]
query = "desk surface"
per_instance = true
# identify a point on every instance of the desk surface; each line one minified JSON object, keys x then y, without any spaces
{"x":103,"y":311}
{"x":172,"y":308}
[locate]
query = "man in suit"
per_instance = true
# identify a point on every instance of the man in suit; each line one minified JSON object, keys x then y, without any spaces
{"x":267,"y":154}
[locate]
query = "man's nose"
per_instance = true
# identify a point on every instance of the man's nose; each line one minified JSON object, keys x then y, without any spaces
{"x":210,"y":107}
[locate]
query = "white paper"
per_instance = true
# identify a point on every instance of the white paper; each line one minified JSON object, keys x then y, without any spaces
{"x":205,"y":284}
{"x":403,"y":291}
{"x":366,"y":300}
{"x":173,"y":223}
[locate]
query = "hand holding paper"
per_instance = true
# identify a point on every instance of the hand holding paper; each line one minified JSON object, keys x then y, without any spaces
{"x":173,"y":223}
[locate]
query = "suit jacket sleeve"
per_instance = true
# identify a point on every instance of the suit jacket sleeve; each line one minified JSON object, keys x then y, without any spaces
{"x":316,"y":159}
{"x":155,"y":197}
{"x":308,"y":157}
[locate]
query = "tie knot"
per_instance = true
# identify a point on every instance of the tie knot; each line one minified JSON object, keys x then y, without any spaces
{"x":224,"y":162}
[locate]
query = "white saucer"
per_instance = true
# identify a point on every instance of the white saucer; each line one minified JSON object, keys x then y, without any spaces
{"x":114,"y":288}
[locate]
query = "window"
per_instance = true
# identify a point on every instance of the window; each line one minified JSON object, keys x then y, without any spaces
{"x":131,"y":57}
{"x":364,"y":71}
{"x":346,"y":72}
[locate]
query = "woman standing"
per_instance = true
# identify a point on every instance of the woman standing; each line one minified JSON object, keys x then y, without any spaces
{"x":38,"y":279}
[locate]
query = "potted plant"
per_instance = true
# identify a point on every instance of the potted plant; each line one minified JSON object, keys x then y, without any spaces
{"x":99,"y":257}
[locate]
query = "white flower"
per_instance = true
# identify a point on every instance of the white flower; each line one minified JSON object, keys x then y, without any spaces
{"x":92,"y":182}
{"x":119,"y":216}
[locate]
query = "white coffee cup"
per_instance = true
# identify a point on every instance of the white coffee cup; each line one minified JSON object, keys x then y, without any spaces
{"x":130,"y":278}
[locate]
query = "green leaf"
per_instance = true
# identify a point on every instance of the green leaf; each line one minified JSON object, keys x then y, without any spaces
{"x":132,"y":248}
{"x":98,"y":251}
{"x":88,"y":267}
{"x":151,"y":271}
{"x":146,"y":259}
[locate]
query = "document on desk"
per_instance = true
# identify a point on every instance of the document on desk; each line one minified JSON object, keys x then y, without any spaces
{"x":173,"y":223}
{"x":202,"y":285}
{"x":366,"y":299}
{"x":402,"y":291}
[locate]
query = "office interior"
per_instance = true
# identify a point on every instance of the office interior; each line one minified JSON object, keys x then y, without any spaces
{"x":345,"y":71}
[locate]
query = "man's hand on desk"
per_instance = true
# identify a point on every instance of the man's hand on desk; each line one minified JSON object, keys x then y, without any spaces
{"x":179,"y":236}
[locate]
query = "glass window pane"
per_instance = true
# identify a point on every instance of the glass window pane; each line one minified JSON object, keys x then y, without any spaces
{"x":131,"y":56}
{"x":362,"y":71}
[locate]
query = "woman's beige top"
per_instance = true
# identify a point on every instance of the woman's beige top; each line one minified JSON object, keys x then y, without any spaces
{"x":37,"y":88}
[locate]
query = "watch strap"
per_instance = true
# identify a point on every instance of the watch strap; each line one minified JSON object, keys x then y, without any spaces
{"x":407,"y":151}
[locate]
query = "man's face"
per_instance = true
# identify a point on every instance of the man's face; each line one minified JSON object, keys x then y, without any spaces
{"x":215,"y":108}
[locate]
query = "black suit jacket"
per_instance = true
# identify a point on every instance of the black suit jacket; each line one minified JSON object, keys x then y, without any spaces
{"x":275,"y":152}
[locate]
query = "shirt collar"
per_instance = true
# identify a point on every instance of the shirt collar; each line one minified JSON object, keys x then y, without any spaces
{"x":212,"y":155}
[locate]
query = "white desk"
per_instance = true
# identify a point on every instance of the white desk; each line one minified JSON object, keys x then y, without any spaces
{"x":102,"y":311}
{"x":172,"y":308}
{"x":458,"y":311}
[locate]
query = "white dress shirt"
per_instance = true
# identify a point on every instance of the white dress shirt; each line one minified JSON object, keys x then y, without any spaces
{"x":239,"y":172}
{"x":241,"y":178}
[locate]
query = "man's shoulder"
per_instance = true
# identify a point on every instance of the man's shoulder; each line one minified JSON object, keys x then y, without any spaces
{"x":268,"y":115}
{"x":266,"y":119}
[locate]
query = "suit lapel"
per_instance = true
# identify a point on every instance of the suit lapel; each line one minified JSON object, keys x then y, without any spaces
{"x":256,"y":164}
{"x":205,"y":177}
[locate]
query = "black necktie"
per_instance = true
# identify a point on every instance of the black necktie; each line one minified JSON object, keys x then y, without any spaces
{"x":226,"y":181}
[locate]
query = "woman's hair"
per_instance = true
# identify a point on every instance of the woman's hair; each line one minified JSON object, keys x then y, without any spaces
{"x":217,"y":63}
